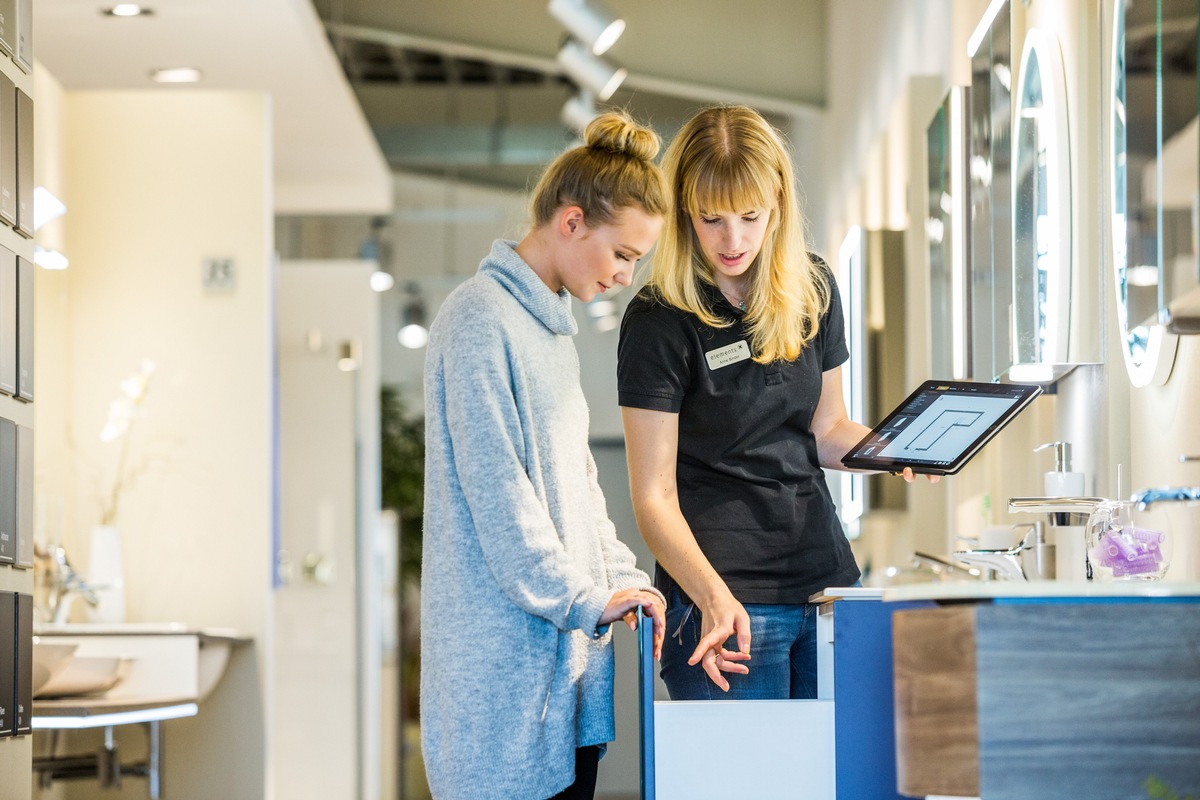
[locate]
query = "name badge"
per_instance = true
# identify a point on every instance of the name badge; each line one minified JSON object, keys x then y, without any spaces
{"x":723,"y":357}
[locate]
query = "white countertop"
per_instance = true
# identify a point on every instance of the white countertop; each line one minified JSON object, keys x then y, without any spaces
{"x":847,"y":593}
{"x":988,"y":590}
{"x":140,"y":629}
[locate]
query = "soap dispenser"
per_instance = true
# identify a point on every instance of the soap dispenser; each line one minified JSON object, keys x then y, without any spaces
{"x":1070,"y":559}
{"x":1061,"y":482}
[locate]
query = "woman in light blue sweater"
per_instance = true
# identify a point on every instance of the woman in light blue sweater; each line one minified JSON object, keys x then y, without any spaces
{"x":522,"y":571}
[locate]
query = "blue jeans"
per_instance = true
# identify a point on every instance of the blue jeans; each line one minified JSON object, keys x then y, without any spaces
{"x":783,"y":650}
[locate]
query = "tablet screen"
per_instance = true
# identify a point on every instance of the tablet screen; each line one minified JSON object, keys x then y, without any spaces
{"x":940,"y":426}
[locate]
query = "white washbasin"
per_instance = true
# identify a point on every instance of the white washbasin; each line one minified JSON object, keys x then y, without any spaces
{"x":49,"y":659}
{"x":87,"y":675}
{"x":166,"y":659}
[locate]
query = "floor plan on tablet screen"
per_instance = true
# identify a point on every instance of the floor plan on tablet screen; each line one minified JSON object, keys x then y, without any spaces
{"x":940,"y":431}
{"x":940,"y":426}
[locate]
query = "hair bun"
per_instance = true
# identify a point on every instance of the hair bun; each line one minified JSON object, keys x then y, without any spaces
{"x":616,"y":132}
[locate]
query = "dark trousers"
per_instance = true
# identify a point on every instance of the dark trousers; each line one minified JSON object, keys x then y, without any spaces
{"x":584,"y":787}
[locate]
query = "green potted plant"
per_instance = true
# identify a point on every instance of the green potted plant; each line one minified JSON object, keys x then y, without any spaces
{"x":402,"y":478}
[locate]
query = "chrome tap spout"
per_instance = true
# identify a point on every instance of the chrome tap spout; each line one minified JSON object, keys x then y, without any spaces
{"x":1059,"y":511}
{"x":1166,"y":494}
{"x":68,"y":584}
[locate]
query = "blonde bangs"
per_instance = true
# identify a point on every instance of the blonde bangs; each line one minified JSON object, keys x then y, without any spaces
{"x":726,"y":184}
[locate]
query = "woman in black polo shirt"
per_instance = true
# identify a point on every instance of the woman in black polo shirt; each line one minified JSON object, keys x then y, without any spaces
{"x":729,"y":378}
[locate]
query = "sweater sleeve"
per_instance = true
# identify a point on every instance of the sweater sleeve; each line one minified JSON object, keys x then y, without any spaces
{"x":516,"y":534}
{"x":619,"y":561}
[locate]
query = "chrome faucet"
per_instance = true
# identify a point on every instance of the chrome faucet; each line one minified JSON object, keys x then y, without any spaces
{"x":1069,"y":511}
{"x":1166,"y":494}
{"x":1006,"y":563}
{"x":67,"y":585}
{"x":944,"y":566}
{"x":1025,"y":561}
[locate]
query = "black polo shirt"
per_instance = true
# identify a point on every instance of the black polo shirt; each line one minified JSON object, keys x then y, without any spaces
{"x":749,"y":481}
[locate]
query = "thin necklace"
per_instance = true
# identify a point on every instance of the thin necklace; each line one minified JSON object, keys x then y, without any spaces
{"x":741,"y":304}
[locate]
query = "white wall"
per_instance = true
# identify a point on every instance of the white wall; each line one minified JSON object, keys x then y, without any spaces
{"x":155,"y":182}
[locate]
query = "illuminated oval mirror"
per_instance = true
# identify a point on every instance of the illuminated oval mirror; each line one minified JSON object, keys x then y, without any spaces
{"x":1041,"y":211}
{"x":1148,"y":349}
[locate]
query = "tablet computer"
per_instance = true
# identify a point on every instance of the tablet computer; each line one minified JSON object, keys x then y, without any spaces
{"x":940,"y":426}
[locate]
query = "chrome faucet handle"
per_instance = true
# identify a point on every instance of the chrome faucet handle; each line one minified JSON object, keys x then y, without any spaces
{"x":1185,"y":458}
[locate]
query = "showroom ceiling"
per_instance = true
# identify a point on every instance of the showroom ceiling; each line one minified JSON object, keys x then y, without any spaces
{"x":466,"y":88}
{"x":473,"y":89}
{"x":325,"y":157}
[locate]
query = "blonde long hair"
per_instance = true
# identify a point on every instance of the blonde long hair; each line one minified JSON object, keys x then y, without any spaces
{"x":728,"y":158}
{"x":612,"y":170}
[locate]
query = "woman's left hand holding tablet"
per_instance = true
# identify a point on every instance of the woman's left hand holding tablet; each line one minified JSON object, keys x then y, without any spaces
{"x":910,"y":476}
{"x":624,"y":604}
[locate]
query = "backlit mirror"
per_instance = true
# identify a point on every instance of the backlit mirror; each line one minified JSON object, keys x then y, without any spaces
{"x":946,"y":235}
{"x":1041,"y":211}
{"x":990,"y":149}
{"x":852,"y":284}
{"x":1147,"y":234}
{"x":871,"y":283}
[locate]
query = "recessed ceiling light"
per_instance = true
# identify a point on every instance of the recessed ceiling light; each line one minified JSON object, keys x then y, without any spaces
{"x":176,"y":75}
{"x":128,"y":10}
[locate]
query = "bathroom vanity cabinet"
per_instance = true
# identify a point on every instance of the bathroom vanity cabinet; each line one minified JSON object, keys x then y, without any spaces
{"x":1041,"y":691}
{"x":837,"y":747}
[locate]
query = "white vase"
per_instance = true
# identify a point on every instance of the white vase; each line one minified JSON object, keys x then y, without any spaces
{"x":106,"y":575}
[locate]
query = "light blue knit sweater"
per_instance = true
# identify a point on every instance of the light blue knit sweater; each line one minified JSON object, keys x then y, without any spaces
{"x":520,"y":557}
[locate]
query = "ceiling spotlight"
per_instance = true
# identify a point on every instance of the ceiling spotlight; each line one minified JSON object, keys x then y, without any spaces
{"x":590,"y":71}
{"x":381,"y":281}
{"x":605,"y":324}
{"x":127,"y":10}
{"x":1142,"y":275}
{"x":414,"y":337}
{"x":601,"y":308}
{"x":349,"y":355}
{"x":413,"y":334}
{"x":176,"y":75}
{"x":578,"y":111}
{"x":591,"y":22}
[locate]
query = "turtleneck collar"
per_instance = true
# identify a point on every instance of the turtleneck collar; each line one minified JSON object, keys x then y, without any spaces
{"x":553,"y":310}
